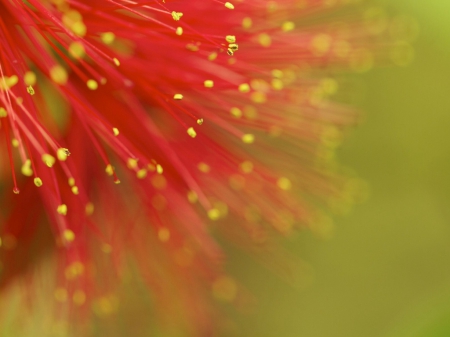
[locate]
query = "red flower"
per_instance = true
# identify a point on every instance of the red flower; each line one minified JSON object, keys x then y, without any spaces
{"x":201,"y":110}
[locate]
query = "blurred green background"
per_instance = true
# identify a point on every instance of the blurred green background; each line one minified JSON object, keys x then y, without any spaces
{"x":386,"y":271}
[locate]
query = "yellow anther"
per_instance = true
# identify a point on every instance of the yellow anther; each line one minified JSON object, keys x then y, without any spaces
{"x":38,"y":182}
{"x":29,"y":78}
{"x":109,"y":170}
{"x":76,"y":49}
{"x":26,"y":168}
{"x":68,"y":235}
{"x":265,"y":40}
{"x":30,"y":90}
{"x":321,"y":44}
{"x":229,"y":5}
{"x":203,"y":167}
{"x":287,"y":26}
{"x":209,"y":84}
{"x":15,"y":142}
{"x":79,"y":28}
{"x":108,"y":37}
{"x":277,"y":84}
{"x":132,"y":163}
{"x":48,"y":159}
{"x":62,"y":209}
{"x":177,"y":15}
{"x":230,"y":52}
{"x":244,"y":87}
{"x":192,"y":47}
{"x":159,"y":169}
{"x":142,"y":173}
{"x":284,"y":184}
{"x":75,"y":190}
{"x":212,"y":56}
{"x":62,"y":154}
{"x":246,"y":166}
{"x":200,"y":121}
{"x":3,"y":112}
{"x":92,"y":84}
{"x":163,"y":234}
{"x":115,"y":131}
{"x":236,"y":112}
{"x":116,"y":61}
{"x":214,"y":214}
{"x":233,"y":46}
{"x":178,"y":96}
{"x":247,"y":23}
{"x":258,"y":97}
{"x":71,"y":182}
{"x":89,"y":209}
{"x":248,"y":138}
{"x":191,"y":132}
{"x":277,"y":73}
{"x":179,"y":31}
{"x":192,"y":197}
{"x":58,"y":74}
{"x":230,"y":38}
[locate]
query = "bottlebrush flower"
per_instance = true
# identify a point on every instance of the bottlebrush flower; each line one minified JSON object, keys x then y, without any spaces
{"x":217,"y":119}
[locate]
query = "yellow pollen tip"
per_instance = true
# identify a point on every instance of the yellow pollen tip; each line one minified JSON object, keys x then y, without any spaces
{"x":247,"y":23}
{"x":214,"y":214}
{"x":62,"y":154}
{"x":30,"y":90}
{"x":29,"y":78}
{"x":132,"y":163}
{"x":191,"y":132}
{"x":212,"y":56}
{"x":48,"y":159}
{"x":115,"y":131}
{"x":75,"y":190}
{"x":244,"y":87}
{"x":116,"y":61}
{"x":179,"y":31}
{"x":230,"y":38}
{"x":141,"y":174}
{"x":92,"y":84}
{"x":38,"y":182}
{"x":209,"y":84}
{"x":68,"y":235}
{"x":159,"y":169}
{"x":229,"y":5}
{"x":26,"y":168}
{"x":62,"y":209}
{"x":71,"y":182}
{"x":288,"y":26}
{"x":200,"y":121}
{"x":108,"y":38}
{"x":58,"y":74}
{"x":248,"y":138}
{"x":176,"y":15}
{"x":284,"y":184}
{"x":15,"y":142}
{"x":192,"y":197}
{"x":3,"y":112}
{"x":89,"y":209}
{"x":178,"y":96}
{"x":109,"y":170}
{"x":76,"y":49}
